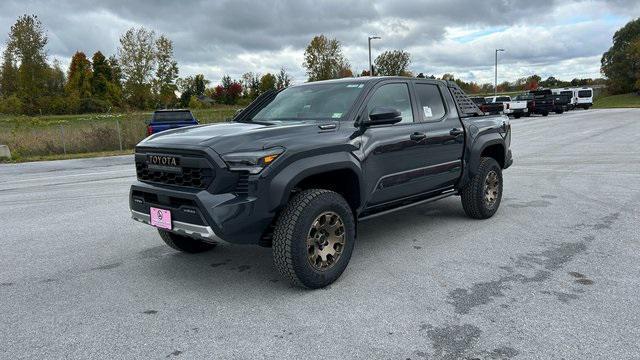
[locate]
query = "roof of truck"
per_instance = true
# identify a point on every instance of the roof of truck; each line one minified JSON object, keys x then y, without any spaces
{"x":367,"y":79}
{"x":170,"y":110}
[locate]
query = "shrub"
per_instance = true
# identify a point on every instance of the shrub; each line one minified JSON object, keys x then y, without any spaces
{"x":11,"y":105}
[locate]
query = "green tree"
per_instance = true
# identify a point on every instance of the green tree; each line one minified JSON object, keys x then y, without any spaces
{"x":283,"y":80}
{"x":393,"y":63}
{"x":200,"y":84}
{"x":101,"y":76}
{"x":166,"y":72}
{"x":55,"y":80}
{"x":267,"y":83}
{"x":621,"y":63}
{"x":323,"y":59}
{"x":251,"y":85}
{"x":191,"y":86}
{"x":9,"y":80}
{"x":27,"y":41}
{"x":114,"y":87}
{"x":137,"y":61}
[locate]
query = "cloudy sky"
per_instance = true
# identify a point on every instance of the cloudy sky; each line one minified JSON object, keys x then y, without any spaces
{"x":561,"y":38}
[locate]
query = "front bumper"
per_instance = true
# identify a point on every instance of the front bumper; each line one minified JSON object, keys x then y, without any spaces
{"x":200,"y":214}
{"x":182,"y":228}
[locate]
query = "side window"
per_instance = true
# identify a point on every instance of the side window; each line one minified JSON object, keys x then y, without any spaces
{"x":430,"y":102}
{"x":395,"y":96}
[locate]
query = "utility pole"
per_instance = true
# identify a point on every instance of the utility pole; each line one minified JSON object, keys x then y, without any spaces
{"x":370,"y":64}
{"x":495,"y":84}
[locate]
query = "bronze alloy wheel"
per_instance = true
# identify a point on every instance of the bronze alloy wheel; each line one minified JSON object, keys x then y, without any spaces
{"x":325,"y":240}
{"x":491,"y":188}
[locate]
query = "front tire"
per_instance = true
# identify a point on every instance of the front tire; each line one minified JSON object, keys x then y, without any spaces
{"x":546,"y":113}
{"x":313,"y":238}
{"x":185,"y":243}
{"x":482,"y":195}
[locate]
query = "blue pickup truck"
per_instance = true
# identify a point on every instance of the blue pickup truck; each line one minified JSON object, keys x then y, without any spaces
{"x":170,"y":119}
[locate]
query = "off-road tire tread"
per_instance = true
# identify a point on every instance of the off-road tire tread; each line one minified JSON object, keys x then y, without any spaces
{"x":472,"y":194}
{"x":283,"y":233}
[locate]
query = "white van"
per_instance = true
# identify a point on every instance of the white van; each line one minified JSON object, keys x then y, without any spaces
{"x":585,"y":97}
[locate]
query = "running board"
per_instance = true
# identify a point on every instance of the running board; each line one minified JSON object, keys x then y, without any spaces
{"x":420,"y":202}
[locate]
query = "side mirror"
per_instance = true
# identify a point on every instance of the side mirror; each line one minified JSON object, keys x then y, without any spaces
{"x":382,"y":115}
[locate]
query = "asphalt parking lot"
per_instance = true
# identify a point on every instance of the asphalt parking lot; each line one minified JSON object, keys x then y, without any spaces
{"x":554,"y":275}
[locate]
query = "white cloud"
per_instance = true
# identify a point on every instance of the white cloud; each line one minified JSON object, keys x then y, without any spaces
{"x":548,"y":37}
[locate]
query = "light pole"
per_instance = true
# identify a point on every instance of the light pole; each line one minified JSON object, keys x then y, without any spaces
{"x":370,"y":64}
{"x":495,"y":85}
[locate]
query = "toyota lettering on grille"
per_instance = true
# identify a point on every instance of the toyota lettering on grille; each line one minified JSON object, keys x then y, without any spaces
{"x":163,"y":161}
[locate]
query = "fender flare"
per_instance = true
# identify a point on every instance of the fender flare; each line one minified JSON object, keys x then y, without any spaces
{"x":283,"y":182}
{"x":472,"y":161}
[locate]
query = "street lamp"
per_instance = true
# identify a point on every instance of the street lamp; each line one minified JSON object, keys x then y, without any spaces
{"x":495,"y":85}
{"x":371,"y":65}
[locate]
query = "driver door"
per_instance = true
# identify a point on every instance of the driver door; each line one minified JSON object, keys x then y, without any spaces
{"x":394,"y":155}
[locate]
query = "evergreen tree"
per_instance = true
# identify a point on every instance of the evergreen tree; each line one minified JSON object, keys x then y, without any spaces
{"x":101,"y":75}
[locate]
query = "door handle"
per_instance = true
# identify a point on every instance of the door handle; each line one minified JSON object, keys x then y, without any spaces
{"x":456,"y":132}
{"x":417,"y":136}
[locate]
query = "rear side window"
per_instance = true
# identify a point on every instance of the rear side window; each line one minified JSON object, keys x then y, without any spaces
{"x":431,"y":102}
{"x":584,"y":93}
{"x":395,"y":96}
{"x":172,"y":116}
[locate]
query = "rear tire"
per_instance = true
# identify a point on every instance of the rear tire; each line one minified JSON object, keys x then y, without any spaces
{"x":313,"y":238}
{"x":482,"y":195}
{"x":517,"y":116}
{"x":546,"y":113}
{"x":185,"y":243}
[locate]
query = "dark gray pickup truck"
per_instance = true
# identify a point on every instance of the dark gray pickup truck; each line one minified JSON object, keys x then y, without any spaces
{"x":298,"y":169}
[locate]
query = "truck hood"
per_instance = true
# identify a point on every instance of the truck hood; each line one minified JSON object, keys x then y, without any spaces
{"x":233,"y":137}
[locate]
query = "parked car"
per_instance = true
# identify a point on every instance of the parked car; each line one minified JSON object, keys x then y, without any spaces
{"x":510,"y":107}
{"x":585,"y":98}
{"x":298,"y":169}
{"x":488,"y":107}
{"x":162,"y":120}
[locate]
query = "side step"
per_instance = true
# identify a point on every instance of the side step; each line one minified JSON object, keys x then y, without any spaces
{"x":406,"y":206}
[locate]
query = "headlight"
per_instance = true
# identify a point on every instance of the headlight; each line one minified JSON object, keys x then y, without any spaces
{"x":252,"y":161}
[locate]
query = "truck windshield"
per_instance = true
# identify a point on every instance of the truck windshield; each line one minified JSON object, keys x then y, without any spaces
{"x":172,"y":116}
{"x":311,"y":102}
{"x":503,"y":98}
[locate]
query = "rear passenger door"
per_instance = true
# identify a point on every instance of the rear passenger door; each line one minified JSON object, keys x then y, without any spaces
{"x":444,"y":141}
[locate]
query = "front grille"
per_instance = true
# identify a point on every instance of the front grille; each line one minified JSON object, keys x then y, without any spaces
{"x":194,"y":172}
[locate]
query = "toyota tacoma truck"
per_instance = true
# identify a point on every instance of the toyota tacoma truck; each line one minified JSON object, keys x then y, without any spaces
{"x":300,"y":169}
